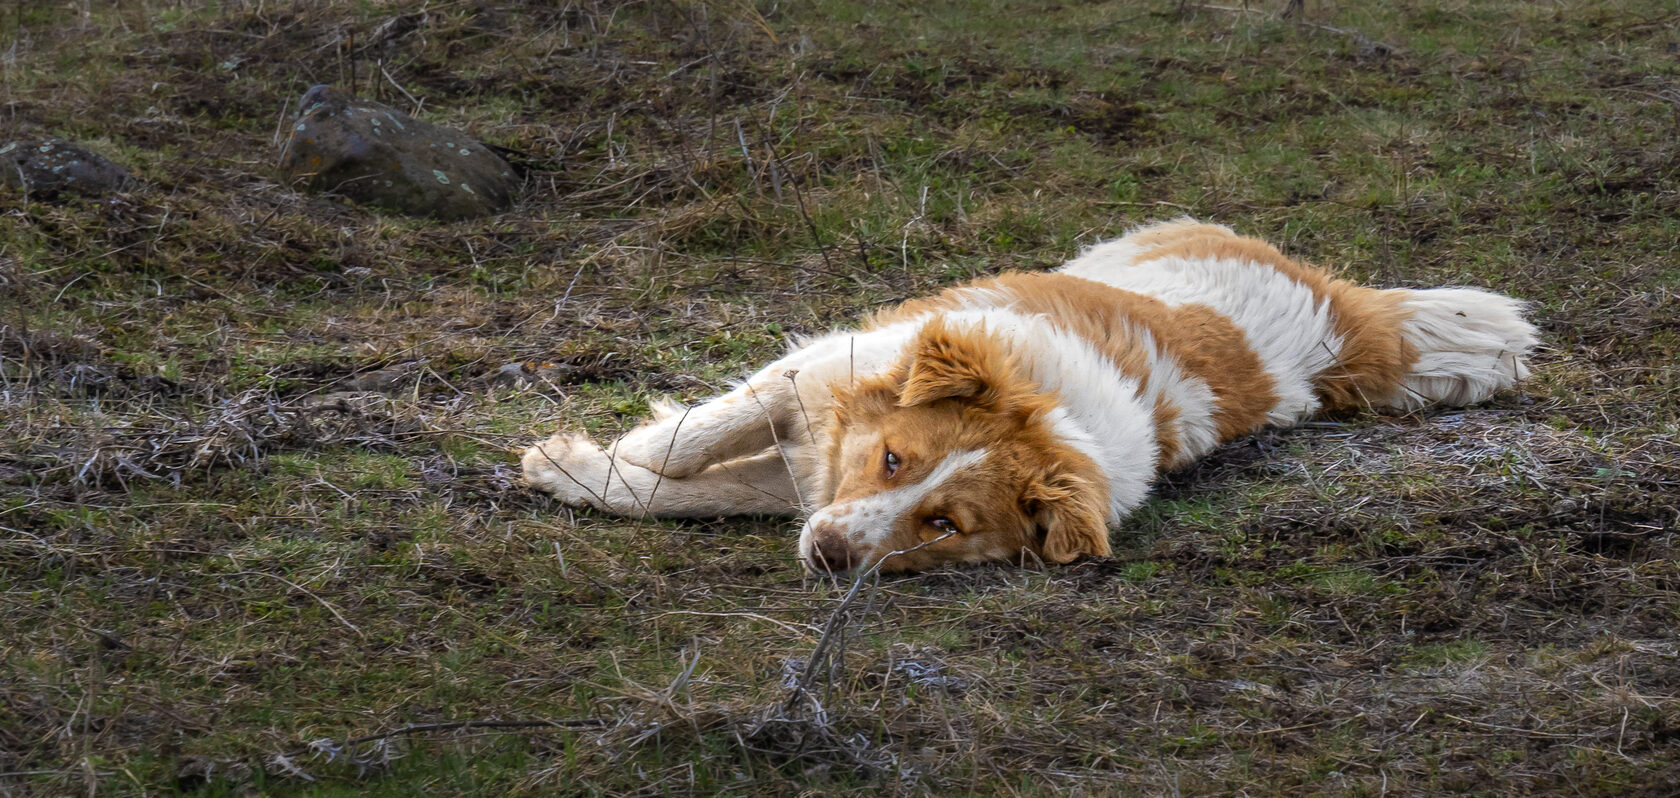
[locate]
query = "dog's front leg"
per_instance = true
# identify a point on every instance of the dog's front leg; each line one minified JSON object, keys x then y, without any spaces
{"x":767,"y":410}
{"x":579,"y":473}
{"x":682,"y":440}
{"x":781,"y":404}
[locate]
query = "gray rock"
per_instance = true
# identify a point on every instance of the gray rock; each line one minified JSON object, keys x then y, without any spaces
{"x":518,"y":375}
{"x":376,"y":154}
{"x":50,"y":167}
{"x":382,"y":380}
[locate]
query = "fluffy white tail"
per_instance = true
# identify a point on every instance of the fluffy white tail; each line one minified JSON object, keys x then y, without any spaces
{"x":1470,"y":343}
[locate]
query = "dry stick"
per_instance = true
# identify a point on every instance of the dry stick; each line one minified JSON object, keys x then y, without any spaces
{"x":742,"y":137}
{"x":612,"y":470}
{"x":793,"y":475}
{"x":724,"y":464}
{"x":280,"y":123}
{"x":1538,"y":735}
{"x":428,"y":728}
{"x":350,"y":50}
{"x":575,"y":481}
{"x":1365,"y":42}
{"x":753,"y":615}
{"x":799,"y":197}
{"x":792,"y":375}
{"x":399,"y":87}
{"x":1345,"y":373}
{"x":836,"y":620}
{"x":323,"y":602}
{"x":851,"y":363}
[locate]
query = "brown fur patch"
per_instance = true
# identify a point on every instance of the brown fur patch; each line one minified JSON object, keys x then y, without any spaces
{"x":1375,"y":354}
{"x":951,"y":364}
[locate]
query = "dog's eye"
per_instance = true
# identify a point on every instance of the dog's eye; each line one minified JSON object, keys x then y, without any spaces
{"x":944,"y":524}
{"x":891,"y":463}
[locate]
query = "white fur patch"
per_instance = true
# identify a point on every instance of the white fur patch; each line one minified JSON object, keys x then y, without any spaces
{"x":1470,"y":343}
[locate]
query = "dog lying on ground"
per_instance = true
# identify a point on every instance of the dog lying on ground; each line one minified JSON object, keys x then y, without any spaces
{"x":1018,"y":418}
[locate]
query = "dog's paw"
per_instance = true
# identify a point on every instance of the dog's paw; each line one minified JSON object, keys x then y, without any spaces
{"x":655,"y":447}
{"x":571,"y":467}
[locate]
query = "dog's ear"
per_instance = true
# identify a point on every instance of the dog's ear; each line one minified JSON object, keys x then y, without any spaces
{"x":957,"y":364}
{"x":1071,"y":513}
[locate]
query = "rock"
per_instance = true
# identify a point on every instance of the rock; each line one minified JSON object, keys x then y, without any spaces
{"x":49,"y":167}
{"x":376,"y":154}
{"x":383,"y":380}
{"x":518,"y":375}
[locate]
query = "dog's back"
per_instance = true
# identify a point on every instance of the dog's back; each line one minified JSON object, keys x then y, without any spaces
{"x":1326,"y":342}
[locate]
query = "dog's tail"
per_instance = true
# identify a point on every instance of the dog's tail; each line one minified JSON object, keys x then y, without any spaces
{"x":1406,"y":349}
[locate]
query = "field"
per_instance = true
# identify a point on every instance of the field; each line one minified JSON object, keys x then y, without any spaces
{"x":262,"y":529}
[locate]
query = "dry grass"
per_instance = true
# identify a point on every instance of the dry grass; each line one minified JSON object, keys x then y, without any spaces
{"x":260,"y":531}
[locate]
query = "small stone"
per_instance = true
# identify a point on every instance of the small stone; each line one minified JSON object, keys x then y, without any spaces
{"x":382,"y":380}
{"x":525,"y":373}
{"x":48,"y":168}
{"x":341,"y":145}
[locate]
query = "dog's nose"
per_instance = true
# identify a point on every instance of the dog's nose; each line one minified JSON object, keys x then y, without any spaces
{"x":830,"y":551}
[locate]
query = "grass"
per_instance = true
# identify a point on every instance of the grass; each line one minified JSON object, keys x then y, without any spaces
{"x":257,"y":497}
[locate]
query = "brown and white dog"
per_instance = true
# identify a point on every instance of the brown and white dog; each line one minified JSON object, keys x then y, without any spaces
{"x":1018,"y":418}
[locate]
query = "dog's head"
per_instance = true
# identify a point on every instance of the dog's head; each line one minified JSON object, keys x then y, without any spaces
{"x":952,"y":457}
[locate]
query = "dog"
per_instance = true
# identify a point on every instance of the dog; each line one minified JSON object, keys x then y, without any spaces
{"x":1019,"y":418}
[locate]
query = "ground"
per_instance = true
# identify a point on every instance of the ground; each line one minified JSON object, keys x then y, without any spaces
{"x":258,"y":496}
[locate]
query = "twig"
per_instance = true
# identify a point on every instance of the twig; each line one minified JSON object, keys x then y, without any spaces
{"x":792,"y":376}
{"x":837,"y":620}
{"x":799,"y":199}
{"x":301,"y":589}
{"x":428,"y":728}
{"x":411,"y":98}
{"x":1538,"y":735}
{"x":567,"y":474}
{"x":612,"y":471}
{"x":794,"y":628}
{"x":1365,"y":43}
{"x":798,"y":495}
{"x":666,"y":463}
